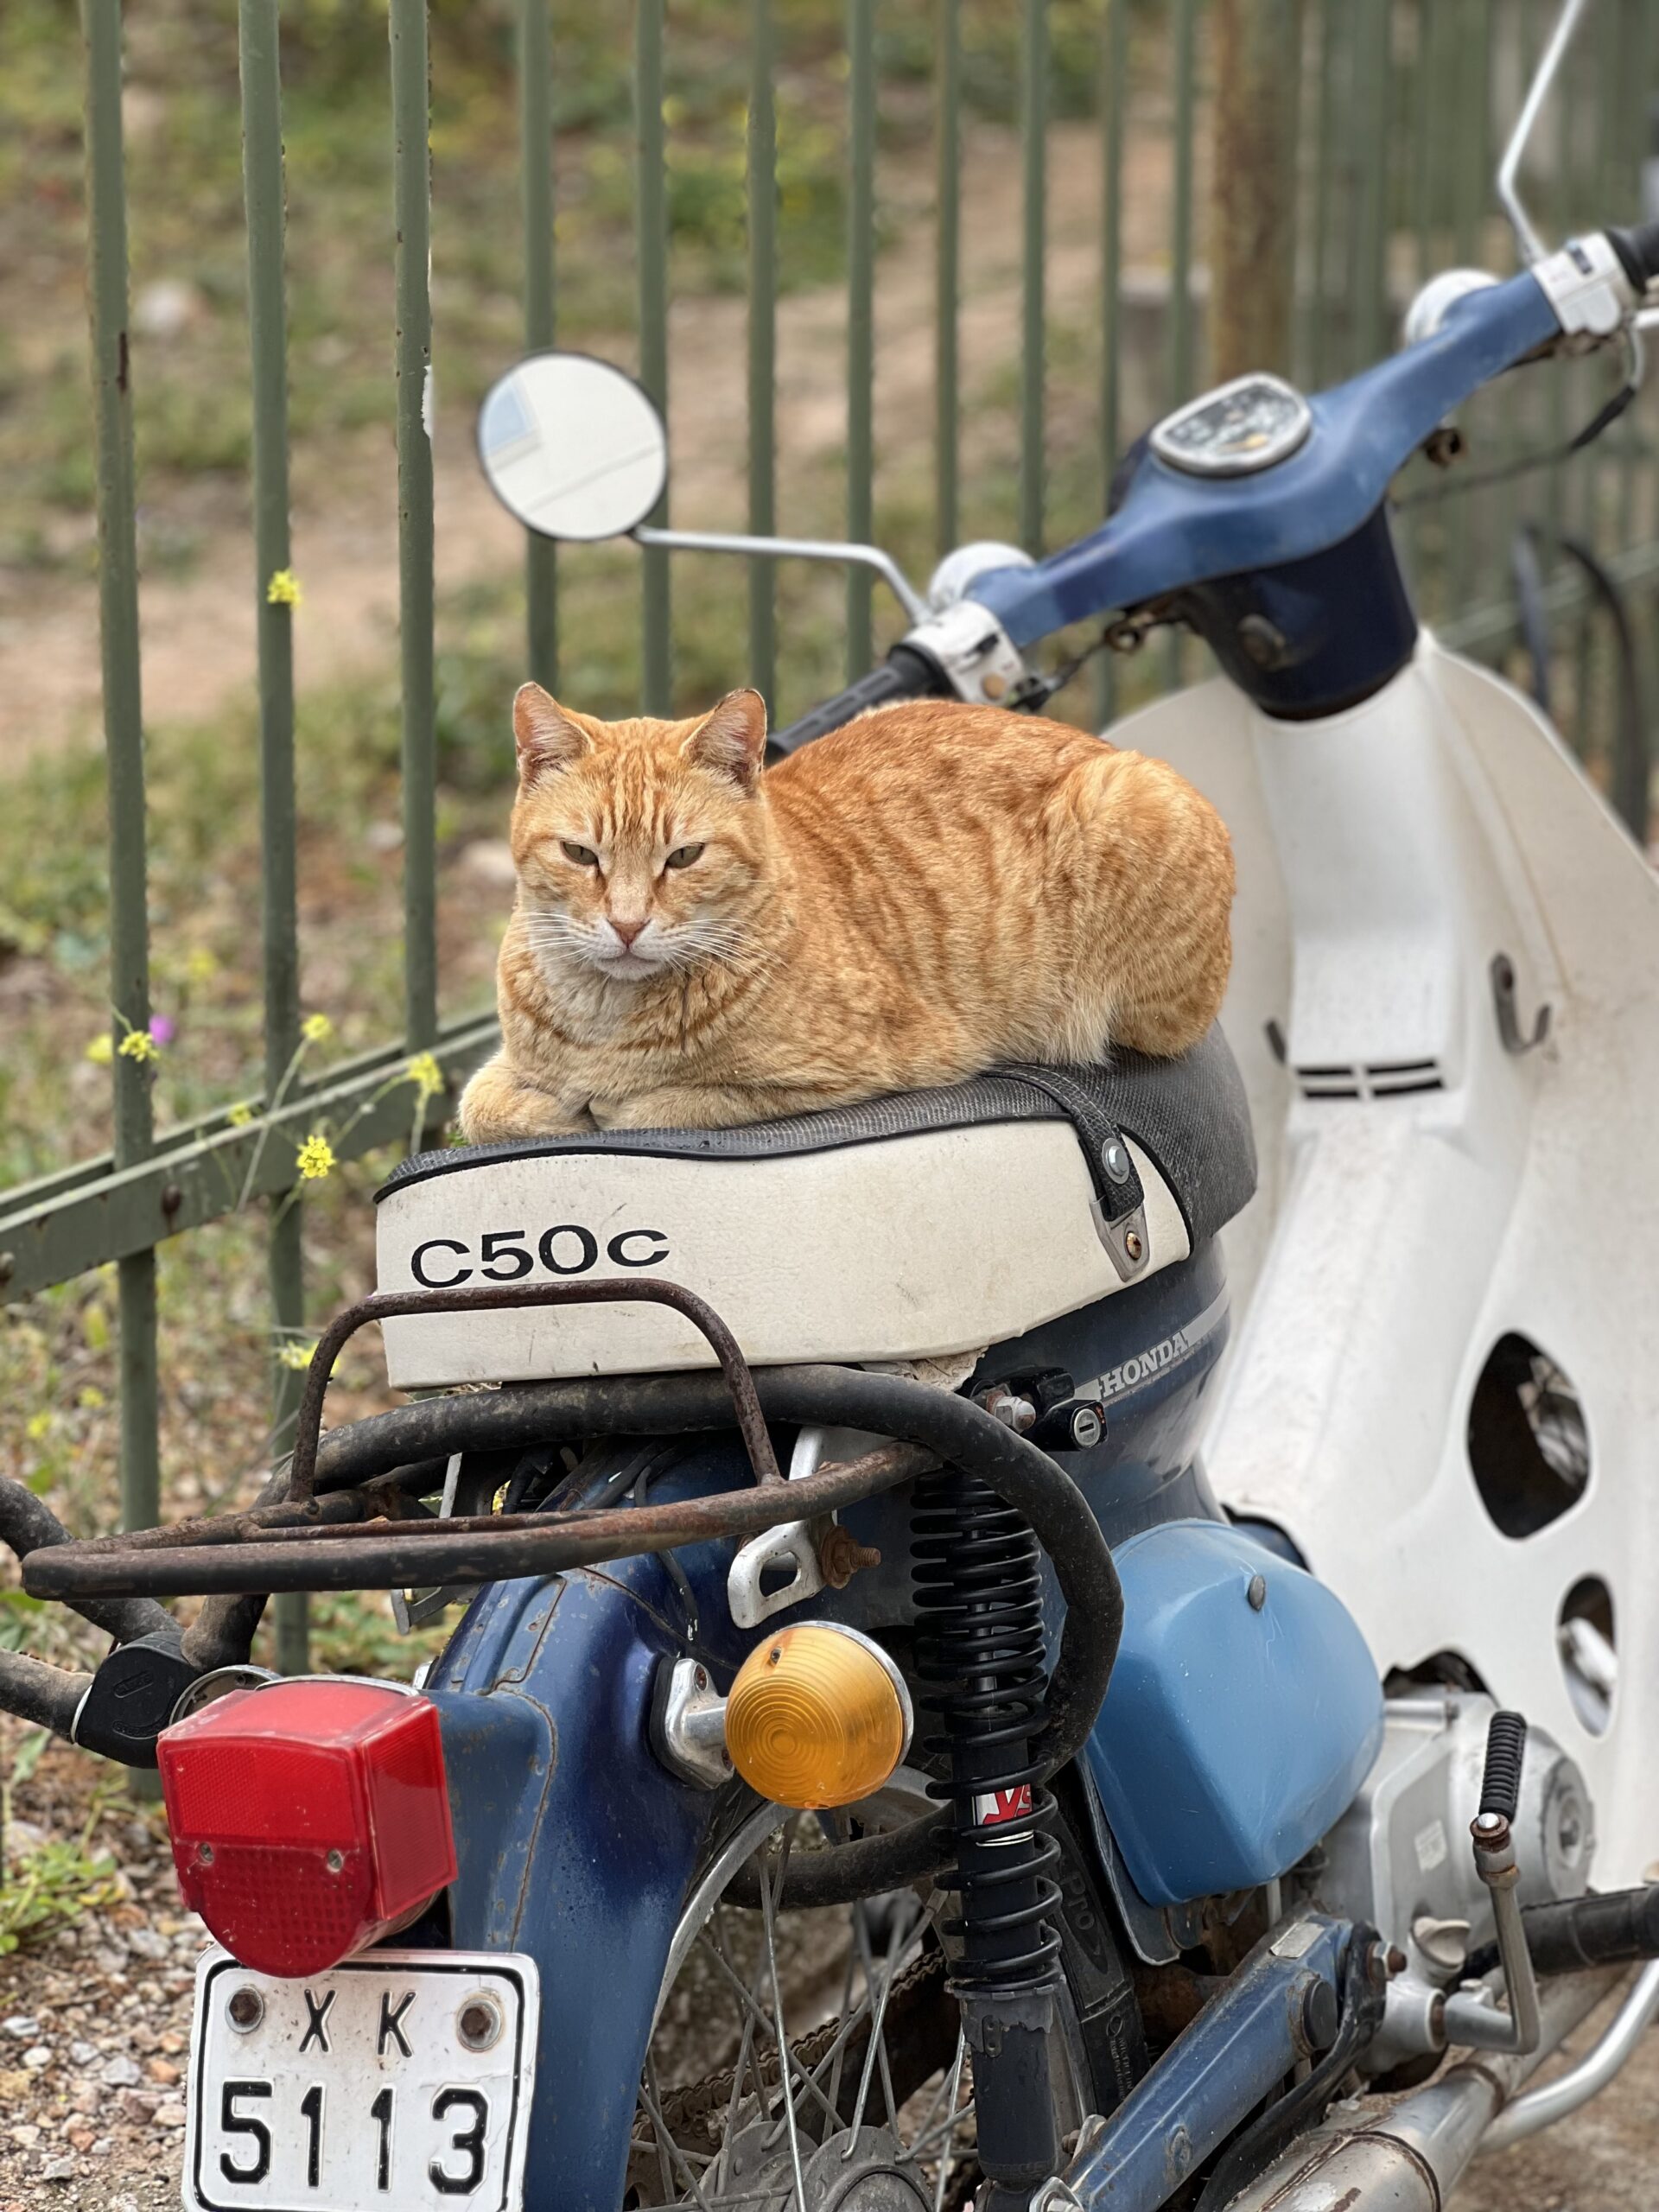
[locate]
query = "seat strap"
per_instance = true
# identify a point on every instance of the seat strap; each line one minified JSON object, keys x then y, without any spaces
{"x":1111,"y":1170}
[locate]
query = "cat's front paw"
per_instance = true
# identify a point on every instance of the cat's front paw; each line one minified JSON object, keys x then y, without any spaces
{"x":498,"y":1105}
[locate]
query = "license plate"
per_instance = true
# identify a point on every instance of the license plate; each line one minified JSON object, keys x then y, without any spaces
{"x":399,"y":2082}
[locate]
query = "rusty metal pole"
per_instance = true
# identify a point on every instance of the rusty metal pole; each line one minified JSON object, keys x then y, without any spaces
{"x":1253,"y":205}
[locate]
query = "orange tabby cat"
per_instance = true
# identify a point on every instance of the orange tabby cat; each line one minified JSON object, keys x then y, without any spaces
{"x":931,"y":889}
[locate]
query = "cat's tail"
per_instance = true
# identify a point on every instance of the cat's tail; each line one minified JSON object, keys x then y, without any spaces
{"x":1164,"y":926}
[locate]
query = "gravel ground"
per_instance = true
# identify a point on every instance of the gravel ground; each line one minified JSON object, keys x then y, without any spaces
{"x":94,"y":2022}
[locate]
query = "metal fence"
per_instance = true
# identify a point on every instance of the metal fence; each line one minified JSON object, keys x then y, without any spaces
{"x":1357,"y":142}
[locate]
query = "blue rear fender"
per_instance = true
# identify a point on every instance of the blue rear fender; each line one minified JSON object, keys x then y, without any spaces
{"x":574,"y":1844}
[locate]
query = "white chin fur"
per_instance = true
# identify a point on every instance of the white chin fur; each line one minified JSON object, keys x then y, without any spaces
{"x":629,"y":968}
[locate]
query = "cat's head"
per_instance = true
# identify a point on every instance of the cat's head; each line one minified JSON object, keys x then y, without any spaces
{"x":642,"y":847}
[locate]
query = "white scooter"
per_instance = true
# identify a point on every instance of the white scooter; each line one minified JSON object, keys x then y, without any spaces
{"x":1293,"y":1842}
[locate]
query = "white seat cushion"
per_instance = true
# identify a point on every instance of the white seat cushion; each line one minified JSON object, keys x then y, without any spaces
{"x":915,"y":1227}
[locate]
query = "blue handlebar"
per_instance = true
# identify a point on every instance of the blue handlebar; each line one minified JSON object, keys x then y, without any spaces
{"x":1173,"y":530}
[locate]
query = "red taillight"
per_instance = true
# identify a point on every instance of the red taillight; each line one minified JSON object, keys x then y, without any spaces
{"x":307,"y":1819}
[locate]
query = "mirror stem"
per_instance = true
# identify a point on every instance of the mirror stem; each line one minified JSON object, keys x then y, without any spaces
{"x":795,"y":549}
{"x":1532,"y":247}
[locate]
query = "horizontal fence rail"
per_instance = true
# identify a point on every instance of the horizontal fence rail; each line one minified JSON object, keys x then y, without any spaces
{"x":1274,"y":181}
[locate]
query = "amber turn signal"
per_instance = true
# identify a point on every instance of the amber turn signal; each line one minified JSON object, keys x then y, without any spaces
{"x":818,"y":1716}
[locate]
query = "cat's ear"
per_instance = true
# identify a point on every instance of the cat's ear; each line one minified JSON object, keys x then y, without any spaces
{"x":548,"y":738}
{"x":731,"y":740}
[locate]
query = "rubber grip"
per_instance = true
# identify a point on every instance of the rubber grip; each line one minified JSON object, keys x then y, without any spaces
{"x":1638,"y":249}
{"x":1574,"y":1932}
{"x":1506,"y":1746}
{"x":906,"y":674}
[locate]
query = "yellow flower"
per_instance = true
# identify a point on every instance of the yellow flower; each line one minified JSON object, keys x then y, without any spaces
{"x":316,"y":1029}
{"x":100,"y":1050}
{"x":298,"y":1356}
{"x":283,"y":589}
{"x":240,"y":1114}
{"x":139,"y":1044}
{"x":200,"y":966}
{"x":315,"y":1157}
{"x":425,"y":1074}
{"x":37,"y":1426}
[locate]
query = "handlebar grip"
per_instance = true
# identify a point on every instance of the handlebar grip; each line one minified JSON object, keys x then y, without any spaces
{"x":1638,"y":249}
{"x":906,"y":674}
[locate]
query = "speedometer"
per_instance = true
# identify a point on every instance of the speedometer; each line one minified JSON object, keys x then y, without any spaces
{"x":1254,"y":422}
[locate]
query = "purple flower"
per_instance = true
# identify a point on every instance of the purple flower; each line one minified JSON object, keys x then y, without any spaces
{"x":163,"y":1029}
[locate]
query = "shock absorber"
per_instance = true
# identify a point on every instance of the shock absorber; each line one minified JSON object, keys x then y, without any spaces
{"x":980,"y":1654}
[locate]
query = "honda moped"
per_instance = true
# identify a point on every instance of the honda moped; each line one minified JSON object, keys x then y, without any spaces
{"x":1084,"y":1640}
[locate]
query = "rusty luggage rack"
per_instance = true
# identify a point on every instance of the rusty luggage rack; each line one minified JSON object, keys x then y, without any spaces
{"x":344,"y":1516}
{"x":377,"y":1537}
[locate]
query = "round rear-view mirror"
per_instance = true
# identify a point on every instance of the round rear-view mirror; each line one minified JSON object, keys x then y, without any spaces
{"x":572,"y":446}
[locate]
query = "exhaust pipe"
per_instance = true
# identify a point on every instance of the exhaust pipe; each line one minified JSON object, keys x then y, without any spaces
{"x":1412,"y":2156}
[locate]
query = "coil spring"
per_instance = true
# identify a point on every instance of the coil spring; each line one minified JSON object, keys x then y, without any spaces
{"x":981,"y":1656}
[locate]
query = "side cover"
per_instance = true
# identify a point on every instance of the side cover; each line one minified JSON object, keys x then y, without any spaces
{"x":1243,"y":1713}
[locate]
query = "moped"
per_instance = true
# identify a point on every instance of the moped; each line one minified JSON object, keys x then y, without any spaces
{"x":961,"y":1693}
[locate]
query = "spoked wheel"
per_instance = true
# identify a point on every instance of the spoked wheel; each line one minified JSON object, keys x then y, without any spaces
{"x":807,"y":2060}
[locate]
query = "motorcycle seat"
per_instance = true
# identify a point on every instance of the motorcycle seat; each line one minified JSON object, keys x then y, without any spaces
{"x":922,"y":1226}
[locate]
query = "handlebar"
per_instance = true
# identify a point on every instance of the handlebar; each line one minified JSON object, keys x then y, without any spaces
{"x":906,"y":674}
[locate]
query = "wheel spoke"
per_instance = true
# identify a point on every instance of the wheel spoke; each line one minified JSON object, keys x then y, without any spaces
{"x":792,"y":2065}
{"x":838,"y":2049}
{"x":745,"y":2050}
{"x":947,"y":2089}
{"x":739,"y":2137}
{"x":769,"y":1908}
{"x":877,"y":2048}
{"x":667,"y":2148}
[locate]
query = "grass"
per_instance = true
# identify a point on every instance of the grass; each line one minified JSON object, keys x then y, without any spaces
{"x":192,"y":420}
{"x":47,"y":1885}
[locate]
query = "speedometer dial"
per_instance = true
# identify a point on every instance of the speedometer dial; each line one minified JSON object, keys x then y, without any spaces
{"x":1252,"y":423}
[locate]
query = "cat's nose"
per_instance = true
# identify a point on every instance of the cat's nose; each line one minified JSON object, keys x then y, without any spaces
{"x":628,"y":931}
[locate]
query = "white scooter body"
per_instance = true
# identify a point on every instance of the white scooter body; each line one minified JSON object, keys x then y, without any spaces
{"x":1385,"y":856}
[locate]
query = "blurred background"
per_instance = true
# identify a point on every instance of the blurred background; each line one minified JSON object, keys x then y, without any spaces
{"x":918,"y":271}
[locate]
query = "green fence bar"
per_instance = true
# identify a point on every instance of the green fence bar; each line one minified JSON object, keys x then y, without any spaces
{"x":861,"y":323}
{"x":763,"y":350}
{"x":83,"y":1216}
{"x":1034,"y":341}
{"x":1184,"y":31}
{"x":124,"y":729}
{"x":947,"y":284}
{"x":1372,"y":83}
{"x":1184,"y":17}
{"x":411,"y":185}
{"x":263,"y":186}
{"x":650,"y":219}
{"x":1317,"y":352}
{"x":535,"y":66}
{"x":1114,"y":103}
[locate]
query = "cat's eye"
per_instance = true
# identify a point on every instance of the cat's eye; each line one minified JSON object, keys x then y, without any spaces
{"x":683,"y":856}
{"x":583,"y":855}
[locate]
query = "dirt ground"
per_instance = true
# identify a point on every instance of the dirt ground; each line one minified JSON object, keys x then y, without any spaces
{"x":197,"y":631}
{"x":94,"y":2022}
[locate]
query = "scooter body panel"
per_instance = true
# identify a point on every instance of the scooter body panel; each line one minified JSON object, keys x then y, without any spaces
{"x":1427,"y":1189}
{"x":1243,"y":1713}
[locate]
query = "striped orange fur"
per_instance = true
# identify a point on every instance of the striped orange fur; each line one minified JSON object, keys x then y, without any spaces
{"x":931,"y":889}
